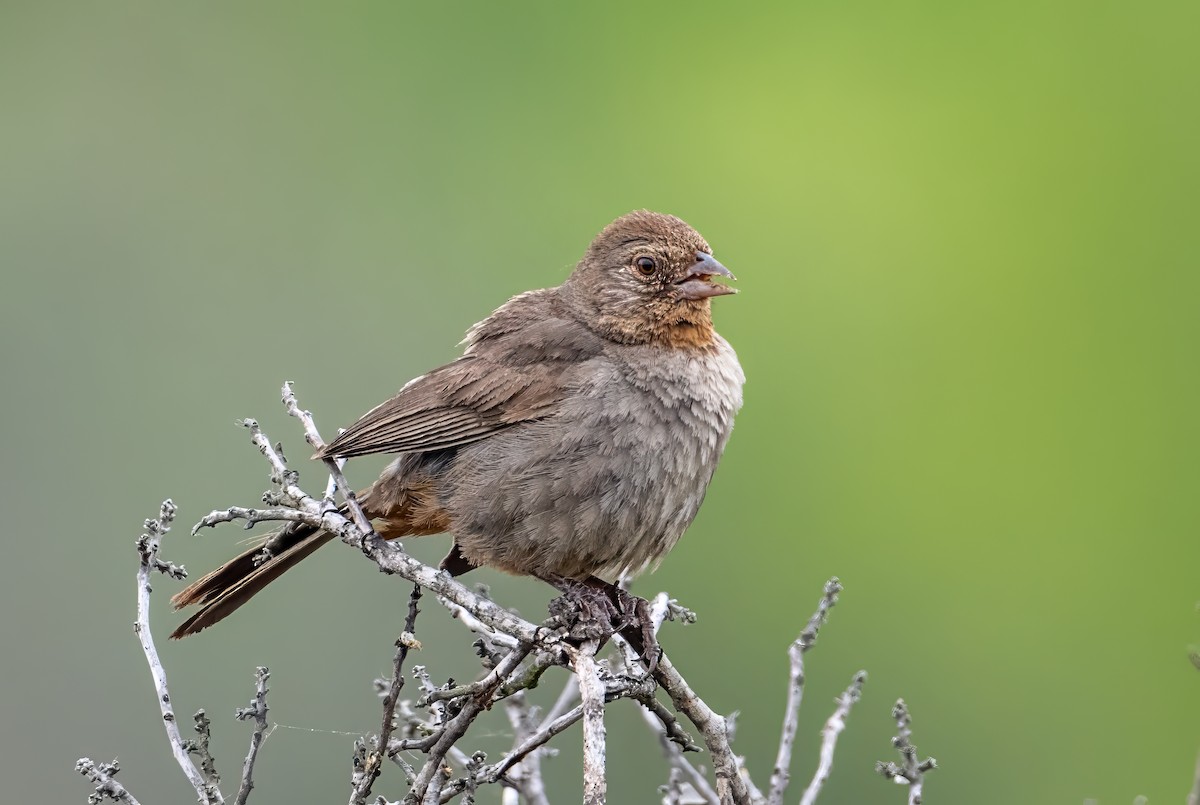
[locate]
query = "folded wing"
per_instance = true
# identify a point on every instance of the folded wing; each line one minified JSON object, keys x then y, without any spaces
{"x":517,"y":368}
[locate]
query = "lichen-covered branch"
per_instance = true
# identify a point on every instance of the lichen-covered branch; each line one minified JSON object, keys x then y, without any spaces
{"x":910,"y":771}
{"x":104,"y":776}
{"x":256,"y":712}
{"x":591,"y":691}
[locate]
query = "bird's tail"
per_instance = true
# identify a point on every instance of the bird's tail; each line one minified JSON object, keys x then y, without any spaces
{"x":237,"y":581}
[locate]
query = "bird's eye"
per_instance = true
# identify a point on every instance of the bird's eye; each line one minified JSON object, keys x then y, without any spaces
{"x":645,"y":266}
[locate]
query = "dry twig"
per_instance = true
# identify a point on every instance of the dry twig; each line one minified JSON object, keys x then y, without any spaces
{"x":104,"y":776}
{"x":406,"y":640}
{"x":911,"y":771}
{"x":829,"y":735}
{"x":256,"y":712}
{"x":591,"y":690}
{"x":147,"y":545}
{"x":791,"y":719}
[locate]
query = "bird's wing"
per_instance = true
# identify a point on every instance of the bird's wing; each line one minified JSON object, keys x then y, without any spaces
{"x":509,"y":375}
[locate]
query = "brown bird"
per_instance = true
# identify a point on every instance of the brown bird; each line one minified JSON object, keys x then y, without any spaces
{"x":573,"y":441}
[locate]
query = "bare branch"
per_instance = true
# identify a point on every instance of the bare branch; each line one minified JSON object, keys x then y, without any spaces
{"x":335,"y":467}
{"x":673,"y":752}
{"x":591,"y":691}
{"x":103,"y":775}
{"x":732,"y":785}
{"x":475,"y":625}
{"x":406,"y":640}
{"x":829,"y":736}
{"x":566,"y":699}
{"x":791,"y":719}
{"x":199,"y":746}
{"x":147,"y":546}
{"x":544,"y":733}
{"x":257,"y":711}
{"x":526,"y":776}
{"x":666,"y":724}
{"x":433,"y":795}
{"x":912,"y":771}
{"x":457,"y":726}
{"x":672,"y":738}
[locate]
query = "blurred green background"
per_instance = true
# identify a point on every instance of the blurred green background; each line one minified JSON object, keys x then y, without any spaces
{"x":966,"y":241}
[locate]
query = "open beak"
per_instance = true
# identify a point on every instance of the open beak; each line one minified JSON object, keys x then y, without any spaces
{"x":698,"y":284}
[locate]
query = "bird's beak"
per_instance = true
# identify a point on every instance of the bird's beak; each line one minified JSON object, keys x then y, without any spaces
{"x":697,"y":282}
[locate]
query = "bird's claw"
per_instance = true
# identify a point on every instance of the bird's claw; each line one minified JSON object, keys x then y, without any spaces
{"x":596,"y":609}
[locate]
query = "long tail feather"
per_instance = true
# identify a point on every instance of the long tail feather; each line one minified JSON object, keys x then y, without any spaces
{"x":234,"y":583}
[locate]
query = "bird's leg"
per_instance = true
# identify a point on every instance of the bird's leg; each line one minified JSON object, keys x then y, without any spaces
{"x":634,"y":621}
{"x":587,"y":604}
{"x":587,"y":611}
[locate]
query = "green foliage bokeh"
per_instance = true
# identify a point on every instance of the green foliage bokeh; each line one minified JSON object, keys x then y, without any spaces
{"x":965,"y":238}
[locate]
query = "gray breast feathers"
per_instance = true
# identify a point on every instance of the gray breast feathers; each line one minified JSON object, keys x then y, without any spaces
{"x":610,"y":482}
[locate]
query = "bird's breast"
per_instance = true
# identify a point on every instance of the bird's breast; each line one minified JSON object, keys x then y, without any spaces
{"x":666,"y":417}
{"x":610,"y":482}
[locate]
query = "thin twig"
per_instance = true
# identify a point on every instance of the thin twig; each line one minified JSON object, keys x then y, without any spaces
{"x":147,"y":546}
{"x":544,"y":733}
{"x":666,"y":724}
{"x":527,"y":775}
{"x":791,"y":719}
{"x":673,"y":790}
{"x":476,"y":625}
{"x":257,"y":711}
{"x":404,"y":642}
{"x":199,"y":746}
{"x":912,"y":771}
{"x":566,"y":699}
{"x":457,"y":726}
{"x":674,"y":755}
{"x":829,"y":736}
{"x":103,"y":775}
{"x":672,"y":738}
{"x":313,"y":437}
{"x":732,"y":786}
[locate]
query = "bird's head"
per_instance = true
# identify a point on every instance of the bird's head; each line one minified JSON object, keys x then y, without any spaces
{"x":647,"y":278}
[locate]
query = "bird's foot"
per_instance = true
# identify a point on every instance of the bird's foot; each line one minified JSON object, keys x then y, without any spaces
{"x":643,"y":626}
{"x":586,"y":611}
{"x":594,"y":608}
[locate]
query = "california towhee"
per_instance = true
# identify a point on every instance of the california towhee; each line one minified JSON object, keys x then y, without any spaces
{"x":573,"y":441}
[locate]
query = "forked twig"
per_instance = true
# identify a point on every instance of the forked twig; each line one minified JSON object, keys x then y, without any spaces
{"x":256,"y":712}
{"x":147,"y":545}
{"x":791,"y":718}
{"x":911,"y":771}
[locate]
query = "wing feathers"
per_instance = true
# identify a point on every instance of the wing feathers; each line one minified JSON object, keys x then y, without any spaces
{"x":492,"y":387}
